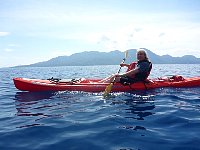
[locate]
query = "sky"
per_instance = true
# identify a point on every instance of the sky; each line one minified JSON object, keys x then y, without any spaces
{"x":37,"y":30}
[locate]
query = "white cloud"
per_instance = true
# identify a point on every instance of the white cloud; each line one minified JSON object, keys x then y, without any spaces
{"x":14,"y":45}
{"x":11,"y":48}
{"x":161,"y":34}
{"x":108,"y":29}
{"x":8,"y":50}
{"x":4,"y":33}
{"x":176,"y":39}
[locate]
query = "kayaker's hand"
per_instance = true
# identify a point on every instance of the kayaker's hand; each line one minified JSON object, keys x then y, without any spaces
{"x":122,"y":64}
{"x":117,"y":75}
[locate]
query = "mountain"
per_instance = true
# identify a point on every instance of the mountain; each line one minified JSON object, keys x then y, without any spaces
{"x":112,"y":58}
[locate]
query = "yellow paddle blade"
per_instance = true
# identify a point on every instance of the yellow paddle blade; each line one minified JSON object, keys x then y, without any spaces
{"x":108,"y":90}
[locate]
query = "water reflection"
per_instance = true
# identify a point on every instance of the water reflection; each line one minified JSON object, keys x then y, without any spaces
{"x":140,"y":105}
{"x":37,"y":107}
{"x":140,"y":108}
{"x":136,"y":107}
{"x":32,"y":105}
{"x":32,"y":96}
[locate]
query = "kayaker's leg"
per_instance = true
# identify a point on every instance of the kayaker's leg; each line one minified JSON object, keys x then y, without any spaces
{"x":117,"y":79}
{"x":110,"y":79}
{"x":107,"y":80}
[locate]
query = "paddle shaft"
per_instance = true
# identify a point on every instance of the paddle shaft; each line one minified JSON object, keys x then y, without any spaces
{"x":118,"y":70}
{"x":109,"y":87}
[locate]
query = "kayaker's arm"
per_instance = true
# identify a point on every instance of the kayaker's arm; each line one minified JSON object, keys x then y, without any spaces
{"x":124,"y":65}
{"x":131,"y":72}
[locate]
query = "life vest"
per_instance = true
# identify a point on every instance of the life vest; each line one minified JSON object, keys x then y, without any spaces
{"x":131,"y":66}
{"x":141,"y":76}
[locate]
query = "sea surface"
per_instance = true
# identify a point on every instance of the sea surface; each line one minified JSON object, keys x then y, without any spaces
{"x":160,"y":119}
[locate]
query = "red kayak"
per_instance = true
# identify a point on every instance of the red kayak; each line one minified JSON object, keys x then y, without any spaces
{"x":93,"y":85}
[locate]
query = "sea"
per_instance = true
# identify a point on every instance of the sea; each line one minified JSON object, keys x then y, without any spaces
{"x":159,"y":119}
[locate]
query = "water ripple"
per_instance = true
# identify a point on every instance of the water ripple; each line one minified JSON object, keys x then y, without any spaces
{"x":165,"y":118}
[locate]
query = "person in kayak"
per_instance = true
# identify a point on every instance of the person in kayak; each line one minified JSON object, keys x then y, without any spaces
{"x":136,"y":71}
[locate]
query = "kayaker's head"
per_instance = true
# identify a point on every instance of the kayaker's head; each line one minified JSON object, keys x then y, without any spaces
{"x":142,"y":55}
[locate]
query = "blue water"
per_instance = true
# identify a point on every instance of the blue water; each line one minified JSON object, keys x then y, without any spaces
{"x":164,"y":119}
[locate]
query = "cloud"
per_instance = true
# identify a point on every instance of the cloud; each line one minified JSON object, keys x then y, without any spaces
{"x":137,"y":29}
{"x":162,"y":39}
{"x":11,"y":48}
{"x":161,"y":34}
{"x":8,"y":50}
{"x":14,"y":45}
{"x":105,"y":38}
{"x":4,"y":33}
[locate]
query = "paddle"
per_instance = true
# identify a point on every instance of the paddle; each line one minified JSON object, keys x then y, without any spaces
{"x":109,"y":87}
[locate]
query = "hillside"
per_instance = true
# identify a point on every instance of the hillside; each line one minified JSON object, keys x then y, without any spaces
{"x":112,"y":58}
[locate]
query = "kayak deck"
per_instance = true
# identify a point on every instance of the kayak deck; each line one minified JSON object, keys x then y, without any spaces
{"x":93,"y":85}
